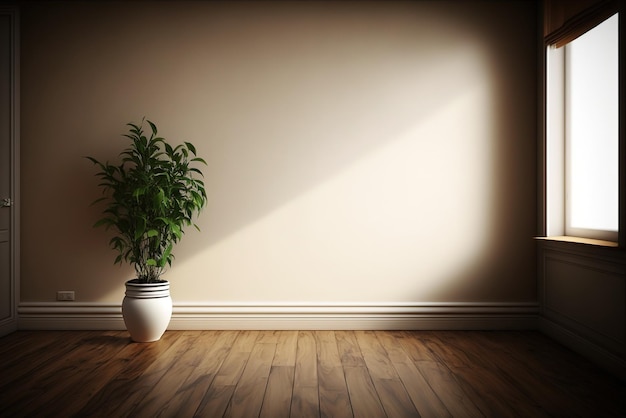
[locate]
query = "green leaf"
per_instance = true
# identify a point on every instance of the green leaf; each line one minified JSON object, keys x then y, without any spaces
{"x":199,"y":160}
{"x":101,"y":222}
{"x":195,"y":170}
{"x":177,"y":231}
{"x":98,"y":201}
{"x":153,"y":126}
{"x":93,"y":160}
{"x":139,"y":192}
{"x":141,"y":227}
{"x":151,"y":262}
{"x":191,"y":147}
{"x":159,"y":199}
{"x":166,"y":255}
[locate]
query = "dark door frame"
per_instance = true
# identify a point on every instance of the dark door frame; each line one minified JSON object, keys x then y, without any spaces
{"x":10,"y":323}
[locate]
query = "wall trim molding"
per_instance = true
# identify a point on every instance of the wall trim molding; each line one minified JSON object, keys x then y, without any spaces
{"x":7,"y":326}
{"x":281,"y":316}
{"x":585,"y":347}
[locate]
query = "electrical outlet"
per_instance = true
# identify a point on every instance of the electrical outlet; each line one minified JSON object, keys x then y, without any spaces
{"x":65,"y":295}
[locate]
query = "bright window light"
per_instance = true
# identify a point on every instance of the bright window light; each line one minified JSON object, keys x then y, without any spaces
{"x":591,"y":133}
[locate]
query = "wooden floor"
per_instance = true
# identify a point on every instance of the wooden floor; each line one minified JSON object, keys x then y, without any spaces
{"x":301,"y":374}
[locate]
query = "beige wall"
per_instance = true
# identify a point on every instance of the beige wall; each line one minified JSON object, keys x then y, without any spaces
{"x":357,"y":152}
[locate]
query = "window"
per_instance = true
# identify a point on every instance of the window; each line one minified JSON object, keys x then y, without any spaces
{"x":583,"y":135}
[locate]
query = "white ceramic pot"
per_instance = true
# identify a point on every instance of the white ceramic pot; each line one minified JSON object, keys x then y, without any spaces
{"x":147,"y":310}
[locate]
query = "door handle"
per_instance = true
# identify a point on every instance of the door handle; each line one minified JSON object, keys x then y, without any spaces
{"x":6,"y":202}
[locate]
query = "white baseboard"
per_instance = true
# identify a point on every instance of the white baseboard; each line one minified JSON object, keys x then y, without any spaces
{"x":352,"y":316}
{"x":349,"y":316}
{"x":609,"y":361}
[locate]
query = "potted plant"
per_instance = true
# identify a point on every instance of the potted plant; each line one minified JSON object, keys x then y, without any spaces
{"x":151,"y":195}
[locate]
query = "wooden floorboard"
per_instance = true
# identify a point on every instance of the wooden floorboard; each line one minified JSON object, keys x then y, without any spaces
{"x":277,"y":374}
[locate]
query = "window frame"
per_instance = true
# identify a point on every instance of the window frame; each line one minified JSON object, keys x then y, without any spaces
{"x":554,"y":143}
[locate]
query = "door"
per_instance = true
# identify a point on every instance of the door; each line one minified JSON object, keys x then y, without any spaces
{"x":8,"y":182}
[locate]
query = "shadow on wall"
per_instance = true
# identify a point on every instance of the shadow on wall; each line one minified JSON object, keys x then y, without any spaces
{"x":357,"y":151}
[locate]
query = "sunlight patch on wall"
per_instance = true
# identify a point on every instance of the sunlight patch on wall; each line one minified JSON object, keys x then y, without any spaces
{"x":397,"y":224}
